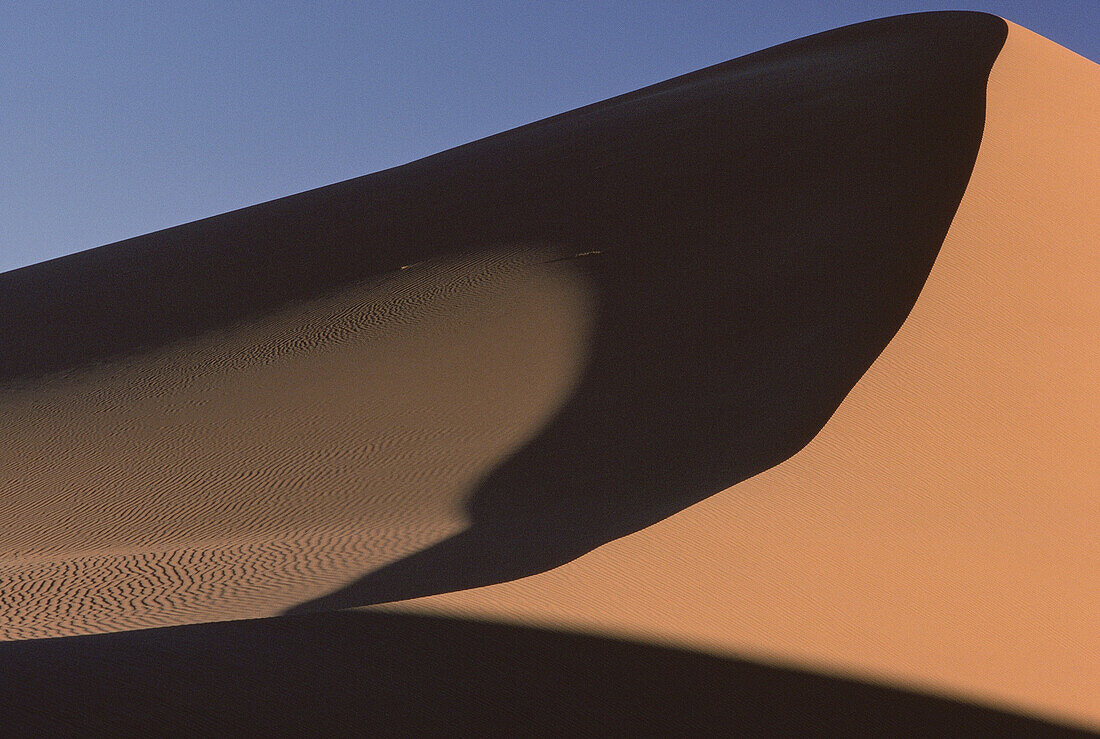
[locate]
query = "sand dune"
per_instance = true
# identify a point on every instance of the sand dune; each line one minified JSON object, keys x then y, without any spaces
{"x":655,"y":369}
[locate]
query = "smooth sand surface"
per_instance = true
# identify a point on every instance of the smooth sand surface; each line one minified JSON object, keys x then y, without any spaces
{"x":556,"y":378}
{"x":940,"y":531}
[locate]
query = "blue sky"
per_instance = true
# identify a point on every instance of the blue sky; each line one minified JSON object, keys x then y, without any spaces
{"x":122,"y":118}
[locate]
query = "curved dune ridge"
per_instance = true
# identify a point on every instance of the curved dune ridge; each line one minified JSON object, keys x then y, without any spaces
{"x":790,"y":359}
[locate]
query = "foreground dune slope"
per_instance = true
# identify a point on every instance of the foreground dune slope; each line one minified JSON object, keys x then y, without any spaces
{"x":499,"y":381}
{"x":403,"y":675}
{"x":940,"y":531}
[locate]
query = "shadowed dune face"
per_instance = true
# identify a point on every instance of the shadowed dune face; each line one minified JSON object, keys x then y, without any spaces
{"x":656,"y":169}
{"x":940,"y":530}
{"x":417,"y":676}
{"x":761,"y":270}
{"x":753,"y":234}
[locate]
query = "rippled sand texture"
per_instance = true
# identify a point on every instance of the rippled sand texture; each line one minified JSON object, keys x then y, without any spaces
{"x":940,"y":531}
{"x":241,"y":473}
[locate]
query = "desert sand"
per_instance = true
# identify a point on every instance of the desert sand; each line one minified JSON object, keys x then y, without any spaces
{"x":255,"y":467}
{"x":779,"y":373}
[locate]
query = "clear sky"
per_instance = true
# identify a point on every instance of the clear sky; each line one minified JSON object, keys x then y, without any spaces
{"x":120,"y":118}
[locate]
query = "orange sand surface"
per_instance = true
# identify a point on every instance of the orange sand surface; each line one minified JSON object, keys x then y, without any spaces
{"x":940,"y":531}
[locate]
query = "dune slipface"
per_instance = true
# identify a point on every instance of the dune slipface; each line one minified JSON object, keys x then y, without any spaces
{"x":617,"y":371}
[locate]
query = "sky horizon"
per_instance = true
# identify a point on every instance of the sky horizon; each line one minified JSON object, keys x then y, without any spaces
{"x":118,"y":122}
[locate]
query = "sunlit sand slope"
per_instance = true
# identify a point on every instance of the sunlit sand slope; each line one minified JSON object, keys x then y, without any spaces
{"x":940,"y":531}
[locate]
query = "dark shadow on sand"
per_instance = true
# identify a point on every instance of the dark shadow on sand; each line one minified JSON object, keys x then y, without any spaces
{"x":374,"y":674}
{"x":752,"y":268}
